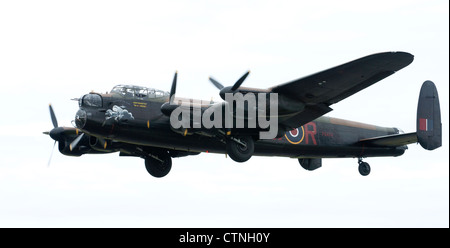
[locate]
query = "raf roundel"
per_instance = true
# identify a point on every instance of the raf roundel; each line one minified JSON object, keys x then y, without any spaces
{"x":295,"y":136}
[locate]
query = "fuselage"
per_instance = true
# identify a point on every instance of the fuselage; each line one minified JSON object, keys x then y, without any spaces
{"x":138,"y":120}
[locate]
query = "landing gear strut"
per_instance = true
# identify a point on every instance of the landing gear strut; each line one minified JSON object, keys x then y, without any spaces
{"x":240,"y":148}
{"x":363,"y":167}
{"x":158,"y":165}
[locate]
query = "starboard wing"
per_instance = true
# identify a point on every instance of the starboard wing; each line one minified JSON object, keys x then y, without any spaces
{"x":320,"y":90}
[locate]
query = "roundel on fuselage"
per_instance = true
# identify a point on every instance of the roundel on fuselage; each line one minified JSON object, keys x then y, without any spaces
{"x":295,"y":136}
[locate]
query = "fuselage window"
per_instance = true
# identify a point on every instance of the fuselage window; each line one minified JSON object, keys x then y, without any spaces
{"x":141,"y":92}
{"x":159,"y":93}
{"x":138,"y":92}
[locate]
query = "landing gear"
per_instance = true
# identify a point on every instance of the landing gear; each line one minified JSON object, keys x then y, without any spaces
{"x":158,"y":165}
{"x":240,"y":148}
{"x":363,"y":167}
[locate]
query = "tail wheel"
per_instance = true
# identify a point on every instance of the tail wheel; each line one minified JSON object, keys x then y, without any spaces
{"x":364,"y":168}
{"x":240,"y":148}
{"x":158,"y":166}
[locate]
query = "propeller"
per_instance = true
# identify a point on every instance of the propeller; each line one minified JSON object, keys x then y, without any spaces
{"x":53,"y":116}
{"x":168,"y":107}
{"x":229,"y":89}
{"x":75,"y":142}
{"x":103,"y":142}
{"x":217,"y":84}
{"x":51,"y":154}
{"x":240,"y":81}
{"x":57,"y":133}
{"x":173,"y":88}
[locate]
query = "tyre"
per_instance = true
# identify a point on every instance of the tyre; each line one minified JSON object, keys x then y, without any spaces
{"x":364,"y":168}
{"x":241,"y":152}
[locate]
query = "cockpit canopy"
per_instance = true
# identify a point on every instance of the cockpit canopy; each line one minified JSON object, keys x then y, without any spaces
{"x":139,"y":92}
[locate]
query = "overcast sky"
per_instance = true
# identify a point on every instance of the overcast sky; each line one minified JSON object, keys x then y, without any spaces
{"x":52,"y":51}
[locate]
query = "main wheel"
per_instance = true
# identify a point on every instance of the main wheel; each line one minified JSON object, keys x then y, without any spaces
{"x":157,"y":168}
{"x":241,"y":152}
{"x":364,"y":168}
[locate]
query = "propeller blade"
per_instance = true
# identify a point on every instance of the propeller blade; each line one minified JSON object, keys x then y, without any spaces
{"x":240,"y":81}
{"x":103,"y":142}
{"x":53,"y":116}
{"x":217,"y":84}
{"x":173,"y":89}
{"x":51,"y":154}
{"x":76,"y":141}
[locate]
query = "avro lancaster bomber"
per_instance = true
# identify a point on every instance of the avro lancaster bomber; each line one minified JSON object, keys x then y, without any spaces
{"x":286,"y":120}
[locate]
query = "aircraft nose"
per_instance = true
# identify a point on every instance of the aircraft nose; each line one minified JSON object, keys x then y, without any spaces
{"x":80,"y":118}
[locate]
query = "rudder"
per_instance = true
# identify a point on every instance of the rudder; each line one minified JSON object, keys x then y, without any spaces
{"x":429,"y":126}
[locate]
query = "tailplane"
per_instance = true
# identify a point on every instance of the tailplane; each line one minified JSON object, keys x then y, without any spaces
{"x":429,"y":127}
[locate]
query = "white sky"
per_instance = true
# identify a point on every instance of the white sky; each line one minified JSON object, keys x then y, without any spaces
{"x":52,"y":51}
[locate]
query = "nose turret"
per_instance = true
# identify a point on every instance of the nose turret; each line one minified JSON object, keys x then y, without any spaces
{"x":89,"y":102}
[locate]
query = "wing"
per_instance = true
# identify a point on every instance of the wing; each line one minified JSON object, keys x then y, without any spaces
{"x":322,"y":89}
